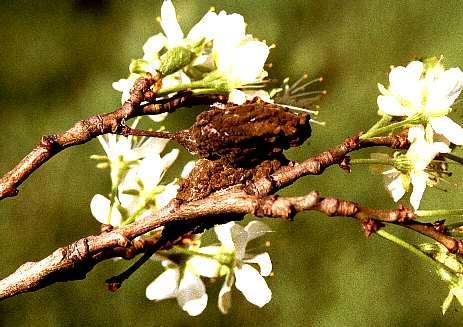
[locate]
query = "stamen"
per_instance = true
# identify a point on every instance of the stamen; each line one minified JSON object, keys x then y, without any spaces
{"x":299,"y":81}
{"x":321,"y":123}
{"x":304,"y":94}
{"x":312,"y":112}
{"x":303,"y":86}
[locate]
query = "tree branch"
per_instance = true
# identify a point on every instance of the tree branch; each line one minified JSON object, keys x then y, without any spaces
{"x":87,"y":129}
{"x":72,"y":262}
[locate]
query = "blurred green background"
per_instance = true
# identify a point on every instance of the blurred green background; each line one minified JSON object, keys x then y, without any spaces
{"x":58,"y":60}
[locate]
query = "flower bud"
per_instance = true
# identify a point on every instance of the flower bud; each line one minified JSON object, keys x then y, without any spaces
{"x":175,"y":59}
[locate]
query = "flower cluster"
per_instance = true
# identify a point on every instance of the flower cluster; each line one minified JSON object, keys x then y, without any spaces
{"x":185,"y":266}
{"x":419,"y":97}
{"x":136,"y":169}
{"x":450,"y":270}
{"x":424,"y":92}
{"x":216,"y":56}
{"x":411,"y":167}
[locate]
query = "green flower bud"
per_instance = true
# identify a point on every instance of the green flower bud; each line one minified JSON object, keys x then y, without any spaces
{"x":175,"y":59}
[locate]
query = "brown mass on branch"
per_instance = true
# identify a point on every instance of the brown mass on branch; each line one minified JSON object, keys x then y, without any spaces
{"x":242,"y":134}
{"x":253,"y":130}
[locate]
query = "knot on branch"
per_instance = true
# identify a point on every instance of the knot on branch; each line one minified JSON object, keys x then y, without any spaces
{"x":286,"y":208}
{"x":77,"y":251}
{"x":345,"y":164}
{"x":403,"y":215}
{"x":439,"y":226}
{"x":274,"y":206}
{"x":351,"y":143}
{"x":400,"y":141}
{"x":144,"y":89}
{"x":50,"y":143}
{"x":371,"y":226}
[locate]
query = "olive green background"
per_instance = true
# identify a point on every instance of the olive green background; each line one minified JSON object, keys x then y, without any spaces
{"x":58,"y":60}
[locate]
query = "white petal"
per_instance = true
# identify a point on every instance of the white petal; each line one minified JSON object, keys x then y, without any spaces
{"x":170,"y":191}
{"x":164,"y":286}
{"x":444,"y":87}
{"x":252,"y":285}
{"x":224,"y":302}
{"x":419,"y":185}
{"x":153,"y":45}
{"x":416,"y":133}
{"x":256,"y":229}
{"x":159,"y":117}
{"x":100,"y":207}
{"x":240,"y":240}
{"x":204,"y":266}
{"x":188,"y":168}
{"x":170,"y":24}
{"x":249,"y":59}
{"x":229,"y":32}
{"x":169,"y":158}
{"x":205,"y":28}
{"x":458,"y":293}
{"x":150,"y":146}
{"x":223,"y":233}
{"x":191,"y":294}
{"x":389,"y":105}
{"x":448,"y":128}
{"x":396,"y":188}
{"x":264,"y":262}
{"x":237,"y":97}
{"x":150,"y":171}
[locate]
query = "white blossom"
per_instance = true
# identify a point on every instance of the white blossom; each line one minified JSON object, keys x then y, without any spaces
{"x":182,"y":284}
{"x":413,"y":168}
{"x":222,"y":47}
{"x":122,"y":152}
{"x":427,"y":89}
{"x":249,"y":281}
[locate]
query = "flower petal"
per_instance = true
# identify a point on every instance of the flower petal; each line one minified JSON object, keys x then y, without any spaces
{"x":188,"y":168}
{"x":256,"y":229}
{"x":419,"y":185}
{"x":448,"y":128}
{"x":170,"y":24}
{"x":252,"y":285}
{"x":237,"y":97}
{"x":159,"y":117}
{"x":152,"y":47}
{"x":264,"y":262}
{"x":100,"y":207}
{"x":447,"y":302}
{"x":204,"y":266}
{"x":388,"y":104}
{"x":458,"y":293}
{"x":150,"y":146}
{"x":164,"y":286}
{"x":396,"y":188}
{"x":205,"y":28}
{"x":191,"y":295}
{"x":225,"y":298}
{"x":163,"y":198}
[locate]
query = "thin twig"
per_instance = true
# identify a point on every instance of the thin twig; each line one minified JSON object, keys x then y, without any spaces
{"x":87,"y":129}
